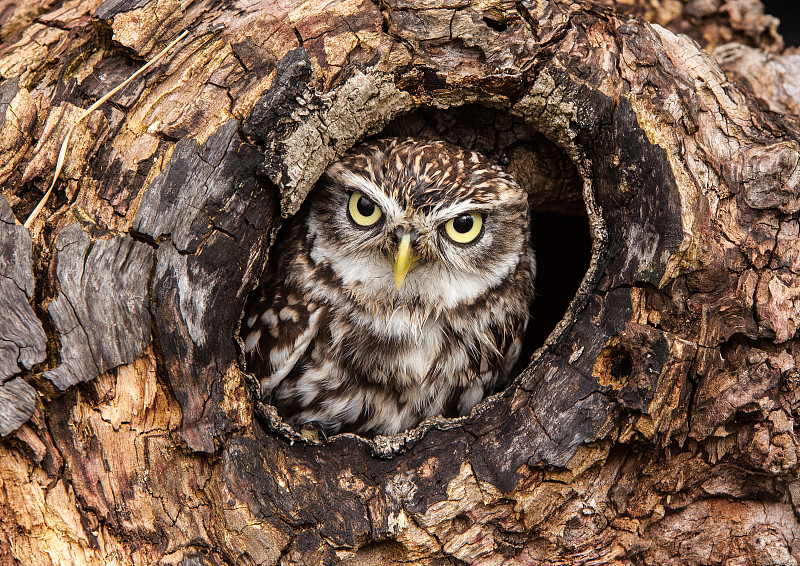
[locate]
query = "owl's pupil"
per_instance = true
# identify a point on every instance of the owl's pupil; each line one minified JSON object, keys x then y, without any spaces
{"x":365,"y":206}
{"x":463,"y":224}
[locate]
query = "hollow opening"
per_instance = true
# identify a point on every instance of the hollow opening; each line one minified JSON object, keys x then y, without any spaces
{"x":559,"y":223}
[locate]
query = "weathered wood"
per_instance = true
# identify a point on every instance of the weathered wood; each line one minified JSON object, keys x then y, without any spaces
{"x":710,"y":23}
{"x":770,"y":77}
{"x":211,"y":216}
{"x":101,"y":310}
{"x":656,"y":425}
{"x":17,"y":403}
{"x":22,"y":338}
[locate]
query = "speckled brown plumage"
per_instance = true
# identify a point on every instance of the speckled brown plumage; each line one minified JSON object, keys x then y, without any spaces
{"x":338,"y":342}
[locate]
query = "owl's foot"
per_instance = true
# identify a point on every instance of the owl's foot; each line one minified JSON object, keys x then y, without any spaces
{"x":314,"y":432}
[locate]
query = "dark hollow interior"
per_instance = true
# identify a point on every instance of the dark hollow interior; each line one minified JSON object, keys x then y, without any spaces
{"x":563,"y":250}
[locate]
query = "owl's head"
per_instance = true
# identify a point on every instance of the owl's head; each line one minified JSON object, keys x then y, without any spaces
{"x":418,"y":222}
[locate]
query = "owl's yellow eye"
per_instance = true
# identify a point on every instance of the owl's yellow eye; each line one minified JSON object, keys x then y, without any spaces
{"x":465,"y":228}
{"x":363,"y":211}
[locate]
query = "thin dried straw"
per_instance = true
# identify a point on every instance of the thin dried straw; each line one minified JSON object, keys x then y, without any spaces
{"x":65,"y":144}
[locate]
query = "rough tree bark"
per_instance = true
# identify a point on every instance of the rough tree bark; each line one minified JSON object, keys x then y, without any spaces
{"x":657,"y":425}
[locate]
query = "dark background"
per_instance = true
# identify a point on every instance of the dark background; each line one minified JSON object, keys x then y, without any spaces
{"x":788,"y":12}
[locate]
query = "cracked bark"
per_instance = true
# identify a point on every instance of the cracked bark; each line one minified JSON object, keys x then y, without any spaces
{"x":655,"y":426}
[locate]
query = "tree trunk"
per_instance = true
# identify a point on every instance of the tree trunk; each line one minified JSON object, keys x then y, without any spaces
{"x":656,"y":425}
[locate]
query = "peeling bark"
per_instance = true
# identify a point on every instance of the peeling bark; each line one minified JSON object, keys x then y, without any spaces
{"x":655,"y":425}
{"x":22,"y":338}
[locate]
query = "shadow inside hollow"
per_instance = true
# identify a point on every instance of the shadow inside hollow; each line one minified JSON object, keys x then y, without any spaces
{"x":563,"y":247}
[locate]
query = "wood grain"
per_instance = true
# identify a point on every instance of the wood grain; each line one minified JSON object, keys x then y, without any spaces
{"x":656,"y":424}
{"x":22,"y":338}
{"x":101,"y":312}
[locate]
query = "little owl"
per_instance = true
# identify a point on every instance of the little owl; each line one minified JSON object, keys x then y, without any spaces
{"x":401,"y":291}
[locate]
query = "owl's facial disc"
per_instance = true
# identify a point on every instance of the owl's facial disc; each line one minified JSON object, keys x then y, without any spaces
{"x":446,"y":214}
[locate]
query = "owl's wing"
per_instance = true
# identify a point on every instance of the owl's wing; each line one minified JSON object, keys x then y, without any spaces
{"x":281,"y":325}
{"x":510,"y":359}
{"x":497,"y":358}
{"x":509,"y":346}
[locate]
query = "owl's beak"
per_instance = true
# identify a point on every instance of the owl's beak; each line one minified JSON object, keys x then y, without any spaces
{"x":405,"y":262}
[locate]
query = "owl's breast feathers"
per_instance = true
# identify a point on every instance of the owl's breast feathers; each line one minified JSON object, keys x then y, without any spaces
{"x":322,"y":358}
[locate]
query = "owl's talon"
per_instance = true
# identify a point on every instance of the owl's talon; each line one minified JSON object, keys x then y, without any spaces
{"x":314,"y":431}
{"x":321,"y":430}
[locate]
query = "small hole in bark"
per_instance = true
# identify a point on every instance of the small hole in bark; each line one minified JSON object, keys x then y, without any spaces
{"x":461,"y":523}
{"x":614,"y":366}
{"x":621,"y":365}
{"x":496,"y":25}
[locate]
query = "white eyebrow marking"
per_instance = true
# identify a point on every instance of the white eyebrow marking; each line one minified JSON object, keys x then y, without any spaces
{"x":446,"y":213}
